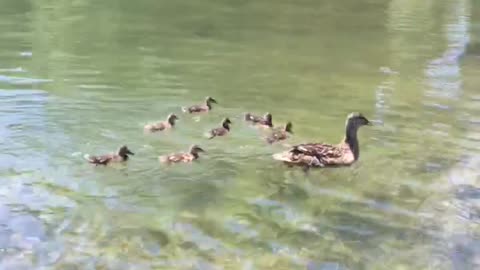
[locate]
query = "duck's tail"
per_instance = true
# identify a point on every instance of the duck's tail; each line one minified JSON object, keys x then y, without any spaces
{"x":88,"y":158}
{"x":163,"y":159}
{"x":148,"y":127}
{"x":283,"y":156}
{"x":210,"y":135}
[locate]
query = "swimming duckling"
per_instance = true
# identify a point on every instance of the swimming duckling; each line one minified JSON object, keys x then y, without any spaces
{"x":120,"y":156}
{"x":221,"y":131}
{"x":182,"y":157}
{"x":201,"y":108}
{"x":321,"y":155}
{"x":168,"y":124}
{"x":264,"y":121}
{"x":280,"y":134}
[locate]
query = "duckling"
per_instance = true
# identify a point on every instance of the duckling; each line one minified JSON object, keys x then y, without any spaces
{"x":168,"y":124}
{"x":120,"y":156}
{"x":221,"y":131}
{"x":280,"y":134}
{"x":201,"y":108}
{"x":264,"y":121}
{"x":321,"y":155}
{"x":182,"y":157}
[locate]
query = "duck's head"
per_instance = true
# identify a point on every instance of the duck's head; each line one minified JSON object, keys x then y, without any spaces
{"x":172,"y":118}
{"x":124,"y":151}
{"x":288,"y":127}
{"x":195,"y":149}
{"x":357,"y":120}
{"x":210,"y":100}
{"x":268,"y":118}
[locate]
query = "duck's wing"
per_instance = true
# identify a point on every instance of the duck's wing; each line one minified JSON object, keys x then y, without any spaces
{"x":257,"y":120}
{"x":319,"y":150}
{"x":173,"y":158}
{"x":311,"y":154}
{"x":160,"y":126}
{"x":266,"y":123}
{"x":99,"y":160}
{"x":213,"y":133}
{"x":156,"y":127}
{"x":252,"y":118}
{"x":217,"y":132}
{"x":271,"y":139}
{"x":278,"y":129}
{"x":276,"y":136}
{"x":194,"y":108}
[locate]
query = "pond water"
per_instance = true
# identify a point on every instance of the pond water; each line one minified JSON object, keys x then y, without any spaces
{"x":84,"y":76}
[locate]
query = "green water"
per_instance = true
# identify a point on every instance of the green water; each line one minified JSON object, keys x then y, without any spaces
{"x":83,"y":76}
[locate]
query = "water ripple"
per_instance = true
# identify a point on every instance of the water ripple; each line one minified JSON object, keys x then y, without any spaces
{"x":22,"y":80}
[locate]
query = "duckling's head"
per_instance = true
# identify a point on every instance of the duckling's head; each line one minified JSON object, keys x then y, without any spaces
{"x":288,"y":127}
{"x":124,"y":151}
{"x":210,"y":100}
{"x":268,"y":118}
{"x":226,"y":121}
{"x":172,"y":118}
{"x":356,"y":119}
{"x":195,"y":149}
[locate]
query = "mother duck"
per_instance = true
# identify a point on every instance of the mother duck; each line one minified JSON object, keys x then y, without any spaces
{"x":322,"y":155}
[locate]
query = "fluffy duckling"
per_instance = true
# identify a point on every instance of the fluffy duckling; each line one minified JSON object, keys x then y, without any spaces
{"x":182,"y":157}
{"x":201,"y":108}
{"x":167,"y":124}
{"x":264,"y":121}
{"x":221,"y":131}
{"x":321,"y":155}
{"x":121,"y":155}
{"x":280,"y":134}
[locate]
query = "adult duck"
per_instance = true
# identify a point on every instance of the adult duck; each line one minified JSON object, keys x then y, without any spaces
{"x":321,"y":155}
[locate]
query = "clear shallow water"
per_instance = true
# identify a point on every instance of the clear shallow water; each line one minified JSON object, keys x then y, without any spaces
{"x":85,"y":77}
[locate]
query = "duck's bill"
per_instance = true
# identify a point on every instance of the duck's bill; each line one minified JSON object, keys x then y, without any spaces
{"x":375,"y":123}
{"x":130,"y":153}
